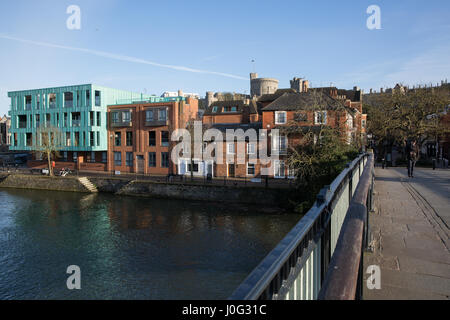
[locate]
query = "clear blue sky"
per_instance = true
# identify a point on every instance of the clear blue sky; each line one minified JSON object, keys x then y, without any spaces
{"x":134,"y":45}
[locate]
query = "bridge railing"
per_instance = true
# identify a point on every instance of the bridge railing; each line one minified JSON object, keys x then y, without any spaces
{"x":298,"y":266}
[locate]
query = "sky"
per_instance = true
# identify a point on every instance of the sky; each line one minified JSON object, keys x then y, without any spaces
{"x":198,"y":46}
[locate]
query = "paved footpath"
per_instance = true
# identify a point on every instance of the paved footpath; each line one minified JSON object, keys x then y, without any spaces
{"x":410,"y":231}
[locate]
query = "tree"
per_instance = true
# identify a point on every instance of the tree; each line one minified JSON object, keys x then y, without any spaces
{"x":414,"y":114}
{"x":47,"y":143}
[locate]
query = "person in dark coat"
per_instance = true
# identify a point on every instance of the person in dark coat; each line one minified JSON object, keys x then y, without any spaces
{"x":412,"y":154}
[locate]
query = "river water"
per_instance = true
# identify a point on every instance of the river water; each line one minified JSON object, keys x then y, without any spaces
{"x":129,"y":247}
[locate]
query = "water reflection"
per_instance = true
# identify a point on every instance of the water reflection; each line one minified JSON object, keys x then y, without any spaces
{"x":129,"y":247}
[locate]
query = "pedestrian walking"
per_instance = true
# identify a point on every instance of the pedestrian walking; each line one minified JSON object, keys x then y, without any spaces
{"x":412,"y":153}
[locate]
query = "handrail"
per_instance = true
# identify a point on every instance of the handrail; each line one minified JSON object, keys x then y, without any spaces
{"x":344,"y":269}
{"x":287,"y":259}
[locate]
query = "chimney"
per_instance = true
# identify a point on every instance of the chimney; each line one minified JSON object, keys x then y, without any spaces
{"x":180,"y":93}
{"x":371,"y":91}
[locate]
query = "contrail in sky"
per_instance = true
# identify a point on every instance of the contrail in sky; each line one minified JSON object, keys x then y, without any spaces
{"x":121,"y":57}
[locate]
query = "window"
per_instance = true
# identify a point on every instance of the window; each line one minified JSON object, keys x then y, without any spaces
{"x":91,"y":118}
{"x":229,"y":109}
{"x":117,"y":158}
{"x":149,"y":115}
{"x":164,"y":138}
{"x":104,"y":156}
{"x":363,"y":123}
{"x":92,"y":139}
{"x":22,"y":121}
{"x":91,"y":156}
{"x":279,"y":169}
{"x":280,"y":144}
{"x":38,"y":120}
{"x":76,"y":119}
{"x":97,"y":98}
{"x":48,"y":120}
{"x":215,"y":108}
{"x":118,"y":139}
{"x":230,"y":148}
{"x":162,"y":115}
{"x":99,"y":122}
{"x":152,"y":138}
{"x":68,"y":99}
{"x":320,"y":117}
{"x":193,"y":167}
{"x":250,"y":169}
{"x":67,"y":139}
{"x":164,"y":159}
{"x":65,"y":156}
{"x":126,"y":116}
{"x":52,"y":100}
{"x":65,"y":119}
{"x":77,"y":139}
{"x":152,"y":159}
{"x":280,"y":117}
{"x":88,"y":98}
{"x":251,"y":148}
{"x":98,"y":138}
{"x":28,"y":141}
{"x":301,"y":117}
{"x":291,"y":172}
{"x":129,"y":138}
{"x":38,"y":101}
{"x":75,"y":156}
{"x":78,"y":99}
{"x":27,"y":102}
{"x":115,"y":117}
{"x":129,"y":159}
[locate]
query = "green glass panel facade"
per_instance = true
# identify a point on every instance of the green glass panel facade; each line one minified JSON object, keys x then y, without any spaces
{"x":78,"y":111}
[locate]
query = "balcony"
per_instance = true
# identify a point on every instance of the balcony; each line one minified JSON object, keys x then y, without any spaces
{"x":123,"y":123}
{"x":156,"y":123}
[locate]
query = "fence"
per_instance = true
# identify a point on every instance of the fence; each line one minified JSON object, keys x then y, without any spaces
{"x":298,"y":266}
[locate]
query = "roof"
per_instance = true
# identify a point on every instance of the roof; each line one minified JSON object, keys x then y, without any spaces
{"x":239,"y":104}
{"x":276,"y":95}
{"x":304,"y":101}
{"x":234,"y":126}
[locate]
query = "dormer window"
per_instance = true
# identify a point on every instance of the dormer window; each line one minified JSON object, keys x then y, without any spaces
{"x":230,"y":109}
{"x":215,"y":108}
{"x":320,"y":117}
{"x":280,"y":117}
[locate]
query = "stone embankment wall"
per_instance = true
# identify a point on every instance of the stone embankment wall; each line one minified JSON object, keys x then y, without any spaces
{"x":216,"y":193}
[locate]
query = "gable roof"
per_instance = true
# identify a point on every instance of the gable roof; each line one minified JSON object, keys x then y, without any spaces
{"x":274,"y":96}
{"x":304,"y":101}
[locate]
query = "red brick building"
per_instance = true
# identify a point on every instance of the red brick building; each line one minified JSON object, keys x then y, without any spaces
{"x":139,"y":134}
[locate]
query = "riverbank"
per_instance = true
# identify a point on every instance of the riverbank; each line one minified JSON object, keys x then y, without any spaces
{"x":163,"y":190}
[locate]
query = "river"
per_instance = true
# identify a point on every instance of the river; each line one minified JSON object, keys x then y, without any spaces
{"x":129,"y":247}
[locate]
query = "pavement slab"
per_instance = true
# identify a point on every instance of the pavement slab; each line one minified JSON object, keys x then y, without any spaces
{"x":410,"y":234}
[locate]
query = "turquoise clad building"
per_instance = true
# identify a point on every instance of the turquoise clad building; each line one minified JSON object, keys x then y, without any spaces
{"x":78,"y":111}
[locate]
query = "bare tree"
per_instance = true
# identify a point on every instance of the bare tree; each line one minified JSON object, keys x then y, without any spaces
{"x":47,"y":143}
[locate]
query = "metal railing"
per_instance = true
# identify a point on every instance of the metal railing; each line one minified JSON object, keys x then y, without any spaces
{"x":297,"y":267}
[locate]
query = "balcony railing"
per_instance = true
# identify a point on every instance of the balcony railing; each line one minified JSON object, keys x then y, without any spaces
{"x":156,"y":123}
{"x":76,"y":123}
{"x":123,"y":123}
{"x":302,"y":265}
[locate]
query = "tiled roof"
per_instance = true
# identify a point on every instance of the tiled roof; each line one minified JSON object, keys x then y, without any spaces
{"x":276,"y":95}
{"x":304,"y":101}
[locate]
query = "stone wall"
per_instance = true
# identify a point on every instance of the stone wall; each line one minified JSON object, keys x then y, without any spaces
{"x":215,"y":193}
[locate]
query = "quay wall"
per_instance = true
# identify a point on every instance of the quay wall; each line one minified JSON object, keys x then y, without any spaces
{"x":216,"y":193}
